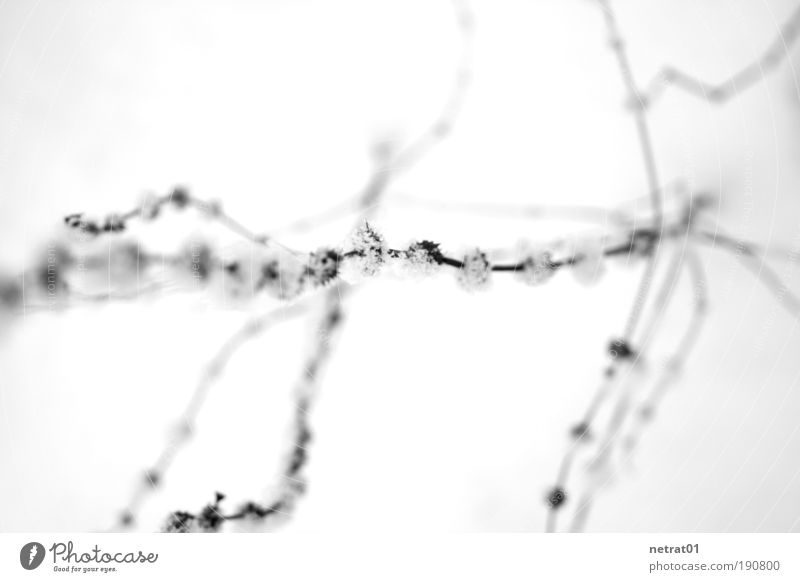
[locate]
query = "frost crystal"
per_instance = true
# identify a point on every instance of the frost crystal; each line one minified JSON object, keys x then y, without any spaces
{"x":210,"y":519}
{"x":179,"y":522}
{"x":423,"y":258}
{"x":537,"y":268}
{"x":323,"y":266}
{"x":253,"y":269}
{"x":83,"y":226}
{"x":368,"y":250}
{"x":476,"y":271}
{"x":589,"y":266}
{"x":280,"y":276}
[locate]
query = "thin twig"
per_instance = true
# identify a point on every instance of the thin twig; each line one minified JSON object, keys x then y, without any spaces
{"x":745,"y":78}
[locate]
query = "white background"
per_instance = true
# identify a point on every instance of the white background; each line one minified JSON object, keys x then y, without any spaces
{"x":442,"y":411}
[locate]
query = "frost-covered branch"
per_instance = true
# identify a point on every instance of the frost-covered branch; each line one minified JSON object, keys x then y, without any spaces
{"x":185,"y":427}
{"x":103,"y":260}
{"x":366,"y":258}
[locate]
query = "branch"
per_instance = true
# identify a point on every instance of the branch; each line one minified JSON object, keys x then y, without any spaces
{"x":745,"y":78}
{"x":153,"y":477}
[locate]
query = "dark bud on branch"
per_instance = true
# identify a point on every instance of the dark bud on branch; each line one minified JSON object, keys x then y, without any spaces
{"x":557,"y":497}
{"x":620,"y":349}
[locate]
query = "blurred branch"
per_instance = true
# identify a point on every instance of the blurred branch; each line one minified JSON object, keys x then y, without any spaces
{"x":154,"y":476}
{"x":387,"y":166}
{"x":745,"y":78}
{"x":754,"y":261}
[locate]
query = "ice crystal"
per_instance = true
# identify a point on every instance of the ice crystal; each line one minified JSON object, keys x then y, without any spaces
{"x":323,"y":266}
{"x":475,"y":273}
{"x":537,"y":267}
{"x":423,"y":258}
{"x":368,"y":252}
